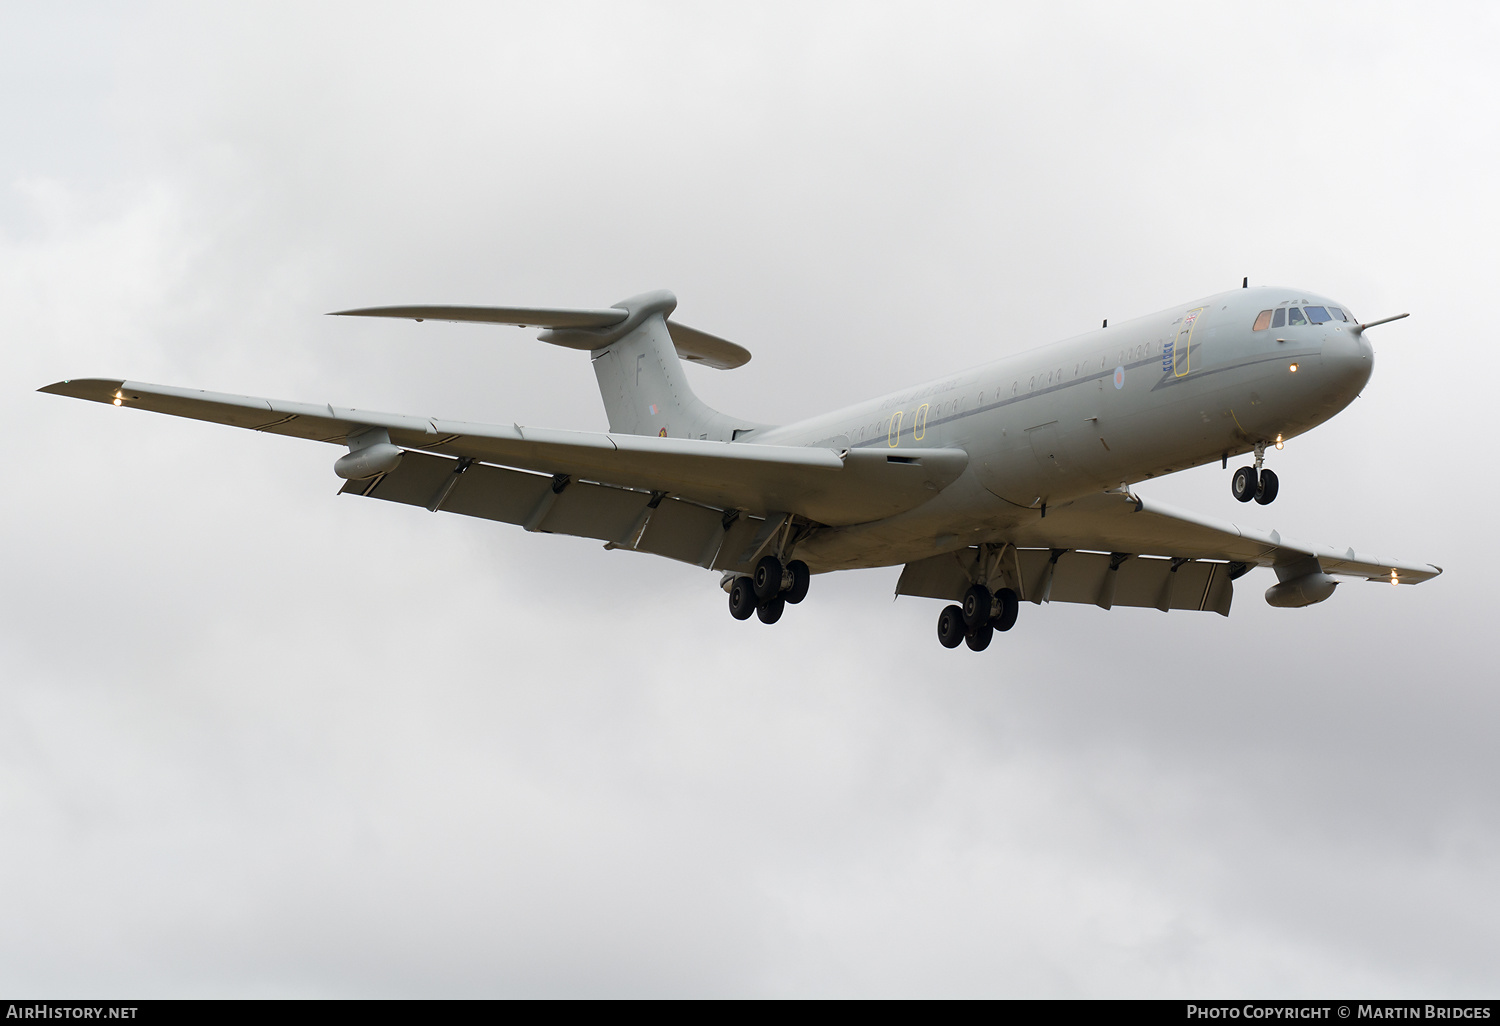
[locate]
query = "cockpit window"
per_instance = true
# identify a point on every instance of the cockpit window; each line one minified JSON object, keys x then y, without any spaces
{"x":1318,"y":315}
{"x":1294,"y":316}
{"x":1263,"y":321}
{"x":1280,"y":321}
{"x":1337,"y":313}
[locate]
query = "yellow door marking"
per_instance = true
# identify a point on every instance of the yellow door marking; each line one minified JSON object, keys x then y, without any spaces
{"x":1182,"y":346}
{"x":919,"y":423}
{"x":893,"y":435}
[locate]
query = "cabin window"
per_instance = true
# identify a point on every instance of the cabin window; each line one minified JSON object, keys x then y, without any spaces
{"x":1337,"y":313}
{"x":1318,"y":315}
{"x":1294,"y":316}
{"x":1280,"y":319}
{"x":1262,"y":321}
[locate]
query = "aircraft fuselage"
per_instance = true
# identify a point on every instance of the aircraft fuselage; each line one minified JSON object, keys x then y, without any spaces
{"x":1175,"y":389}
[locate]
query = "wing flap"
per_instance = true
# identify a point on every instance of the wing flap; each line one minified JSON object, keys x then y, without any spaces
{"x":625,"y":518}
{"x":1091,"y":578}
{"x":1104,"y":580}
{"x":682,"y":530}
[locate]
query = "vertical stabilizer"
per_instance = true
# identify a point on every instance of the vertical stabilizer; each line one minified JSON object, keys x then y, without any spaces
{"x":641,"y":378}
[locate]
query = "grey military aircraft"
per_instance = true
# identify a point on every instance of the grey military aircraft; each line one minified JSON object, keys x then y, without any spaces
{"x":1007,"y":483}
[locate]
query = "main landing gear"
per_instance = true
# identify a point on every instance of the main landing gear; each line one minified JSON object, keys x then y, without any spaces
{"x":1253,"y":482}
{"x":976,"y":621}
{"x":766,"y":592}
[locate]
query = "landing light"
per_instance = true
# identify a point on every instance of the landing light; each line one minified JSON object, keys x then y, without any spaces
{"x":117,"y":400}
{"x":1394,"y":579}
{"x":1294,"y":368}
{"x":1279,"y":443}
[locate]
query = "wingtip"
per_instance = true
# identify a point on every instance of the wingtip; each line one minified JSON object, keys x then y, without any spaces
{"x":372,"y":311}
{"x":98,"y":389}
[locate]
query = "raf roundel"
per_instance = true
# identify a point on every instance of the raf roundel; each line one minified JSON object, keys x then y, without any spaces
{"x":1120,"y":376}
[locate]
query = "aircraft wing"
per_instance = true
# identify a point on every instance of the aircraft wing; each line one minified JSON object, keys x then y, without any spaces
{"x":826,"y":486}
{"x":1113,"y":522}
{"x":1119,"y":549}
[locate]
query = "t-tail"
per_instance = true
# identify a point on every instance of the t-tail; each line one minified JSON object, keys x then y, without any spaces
{"x":637,"y":352}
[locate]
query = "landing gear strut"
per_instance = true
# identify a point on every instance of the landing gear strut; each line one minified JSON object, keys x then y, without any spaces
{"x":1253,"y":482}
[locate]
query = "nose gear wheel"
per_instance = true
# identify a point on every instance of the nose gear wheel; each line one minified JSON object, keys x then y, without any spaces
{"x":1265,"y":493}
{"x":1248,"y":483}
{"x":1244,"y":484}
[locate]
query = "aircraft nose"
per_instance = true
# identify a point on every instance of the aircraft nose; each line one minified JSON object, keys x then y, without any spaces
{"x":1348,"y":360}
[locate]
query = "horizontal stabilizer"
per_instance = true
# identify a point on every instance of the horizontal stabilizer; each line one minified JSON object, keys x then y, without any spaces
{"x":691,"y":344}
{"x":710,"y":350}
{"x":520,"y":316}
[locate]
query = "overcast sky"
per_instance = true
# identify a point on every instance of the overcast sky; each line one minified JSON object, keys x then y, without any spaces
{"x":259,"y":740}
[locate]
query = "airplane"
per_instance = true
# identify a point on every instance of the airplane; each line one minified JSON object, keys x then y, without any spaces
{"x":1006,"y":483}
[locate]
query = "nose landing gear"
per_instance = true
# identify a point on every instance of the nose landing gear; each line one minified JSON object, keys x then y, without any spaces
{"x":1253,"y":482}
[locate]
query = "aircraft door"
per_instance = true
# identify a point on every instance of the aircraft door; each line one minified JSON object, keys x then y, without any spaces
{"x":1033,"y":471}
{"x":1178,"y":357}
{"x":1052,"y":463}
{"x":1046,"y":446}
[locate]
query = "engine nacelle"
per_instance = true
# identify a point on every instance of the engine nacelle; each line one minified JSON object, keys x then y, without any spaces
{"x":1301,"y":591}
{"x":380,"y":458}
